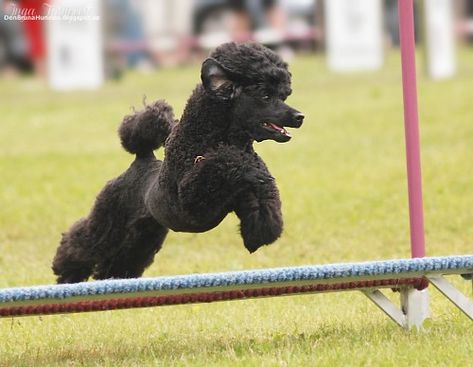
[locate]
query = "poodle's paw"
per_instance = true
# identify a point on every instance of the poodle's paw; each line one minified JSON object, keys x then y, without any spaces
{"x":261,"y":227}
{"x":73,"y":276}
{"x":253,"y":241}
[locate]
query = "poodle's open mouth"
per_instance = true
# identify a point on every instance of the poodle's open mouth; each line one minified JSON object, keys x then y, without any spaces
{"x":276,"y":128}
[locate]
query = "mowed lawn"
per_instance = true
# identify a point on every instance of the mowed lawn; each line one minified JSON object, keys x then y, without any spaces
{"x":342,"y":182}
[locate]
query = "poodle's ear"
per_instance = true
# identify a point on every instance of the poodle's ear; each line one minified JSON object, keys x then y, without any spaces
{"x":216,"y":80}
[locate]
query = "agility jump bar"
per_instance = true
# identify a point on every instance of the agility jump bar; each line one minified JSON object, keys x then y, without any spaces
{"x":211,"y":287}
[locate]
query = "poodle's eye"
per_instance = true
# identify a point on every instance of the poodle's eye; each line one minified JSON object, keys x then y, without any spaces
{"x":266,"y":98}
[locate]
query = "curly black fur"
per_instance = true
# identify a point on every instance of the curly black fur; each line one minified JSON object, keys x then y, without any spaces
{"x":140,"y":134}
{"x":119,"y":238}
{"x":210,"y":169}
{"x":254,"y":64}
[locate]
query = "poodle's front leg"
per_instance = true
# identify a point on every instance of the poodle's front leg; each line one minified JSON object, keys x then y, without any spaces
{"x":259,"y":211}
{"x":209,"y":189}
{"x":229,"y":179}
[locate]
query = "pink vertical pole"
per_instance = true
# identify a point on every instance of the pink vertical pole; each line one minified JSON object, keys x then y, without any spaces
{"x":411,"y":125}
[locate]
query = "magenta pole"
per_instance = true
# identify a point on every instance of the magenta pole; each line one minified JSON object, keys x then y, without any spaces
{"x":411,"y":125}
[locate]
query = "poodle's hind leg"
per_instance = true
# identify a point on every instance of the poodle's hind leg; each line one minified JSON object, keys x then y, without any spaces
{"x":73,"y":262}
{"x":260,"y":217}
{"x":144,"y":239}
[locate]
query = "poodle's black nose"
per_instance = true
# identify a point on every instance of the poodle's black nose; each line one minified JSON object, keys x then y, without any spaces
{"x":299,"y":117}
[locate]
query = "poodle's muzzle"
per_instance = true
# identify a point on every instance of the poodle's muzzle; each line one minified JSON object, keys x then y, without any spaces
{"x":273,"y":127}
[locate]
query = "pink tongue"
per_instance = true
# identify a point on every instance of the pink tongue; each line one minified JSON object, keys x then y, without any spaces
{"x":278,"y":128}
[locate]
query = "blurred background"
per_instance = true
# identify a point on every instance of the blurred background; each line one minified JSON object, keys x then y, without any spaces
{"x":79,"y":44}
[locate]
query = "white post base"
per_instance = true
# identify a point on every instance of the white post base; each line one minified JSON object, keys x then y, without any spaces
{"x":414,"y":306}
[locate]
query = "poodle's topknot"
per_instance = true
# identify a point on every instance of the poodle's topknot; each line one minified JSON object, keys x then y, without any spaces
{"x":146,"y":130}
{"x":255,"y":63}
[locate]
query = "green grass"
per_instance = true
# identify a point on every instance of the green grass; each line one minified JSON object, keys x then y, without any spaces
{"x":342,"y":182}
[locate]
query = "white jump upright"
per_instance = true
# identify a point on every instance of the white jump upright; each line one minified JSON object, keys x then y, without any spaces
{"x":440,"y":38}
{"x":75,"y":45}
{"x":414,"y":303}
{"x":354,"y":37}
{"x":410,"y":276}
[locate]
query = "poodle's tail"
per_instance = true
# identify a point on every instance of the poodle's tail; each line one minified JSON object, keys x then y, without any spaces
{"x":146,"y":130}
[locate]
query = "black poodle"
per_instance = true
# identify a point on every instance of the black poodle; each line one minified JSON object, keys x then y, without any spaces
{"x":209,"y":169}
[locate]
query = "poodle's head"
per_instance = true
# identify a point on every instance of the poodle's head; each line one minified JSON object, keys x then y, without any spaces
{"x":255,"y":82}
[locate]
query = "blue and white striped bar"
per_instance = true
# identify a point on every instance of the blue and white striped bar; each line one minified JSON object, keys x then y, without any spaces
{"x":365,"y":276}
